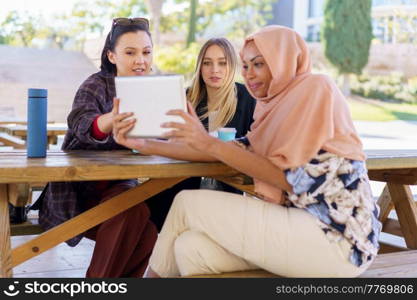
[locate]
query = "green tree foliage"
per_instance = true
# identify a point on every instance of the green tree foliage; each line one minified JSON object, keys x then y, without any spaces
{"x":56,"y":34}
{"x":4,"y":40}
{"x":129,"y":8}
{"x":87,"y":19}
{"x":92,"y":18}
{"x":347,"y":34}
{"x":177,"y":20}
{"x":241,"y":17}
{"x":19,"y":29}
{"x":235,"y":18}
{"x":176,"y":59}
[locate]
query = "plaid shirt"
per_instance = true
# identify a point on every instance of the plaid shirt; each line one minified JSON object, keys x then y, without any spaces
{"x":61,"y":201}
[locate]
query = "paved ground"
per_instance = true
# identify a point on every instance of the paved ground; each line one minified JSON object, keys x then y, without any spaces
{"x":388,"y":135}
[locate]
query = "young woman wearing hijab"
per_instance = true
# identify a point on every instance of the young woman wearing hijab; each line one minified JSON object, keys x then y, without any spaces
{"x":314,"y":215}
{"x":124,"y":242}
{"x":219,"y":102}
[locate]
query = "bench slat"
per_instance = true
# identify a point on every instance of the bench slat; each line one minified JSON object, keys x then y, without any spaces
{"x":13,"y":141}
{"x":30,"y":227}
{"x":399,"y":264}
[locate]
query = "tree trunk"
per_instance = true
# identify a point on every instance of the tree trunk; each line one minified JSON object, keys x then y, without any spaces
{"x":192,"y":22}
{"x":23,"y":38}
{"x":346,"y":85}
{"x":155,"y":8}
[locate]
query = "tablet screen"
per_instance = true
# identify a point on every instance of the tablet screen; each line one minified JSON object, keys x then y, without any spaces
{"x":150,"y":98}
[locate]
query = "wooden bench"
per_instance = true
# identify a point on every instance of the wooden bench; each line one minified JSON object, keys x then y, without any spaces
{"x":9,"y":140}
{"x":398,"y":264}
{"x":30,"y":227}
{"x":53,"y":130}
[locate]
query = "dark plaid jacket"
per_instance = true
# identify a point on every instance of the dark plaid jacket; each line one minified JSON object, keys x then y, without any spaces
{"x":61,"y":201}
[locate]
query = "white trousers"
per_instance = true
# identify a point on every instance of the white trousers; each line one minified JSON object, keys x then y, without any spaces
{"x":210,"y":232}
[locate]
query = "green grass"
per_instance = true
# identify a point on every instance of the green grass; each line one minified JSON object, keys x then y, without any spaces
{"x":382,"y":111}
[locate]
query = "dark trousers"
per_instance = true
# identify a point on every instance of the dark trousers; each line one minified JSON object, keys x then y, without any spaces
{"x":124,"y":243}
{"x":160,"y":204}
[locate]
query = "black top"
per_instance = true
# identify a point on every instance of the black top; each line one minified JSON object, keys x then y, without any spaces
{"x":243,"y":117}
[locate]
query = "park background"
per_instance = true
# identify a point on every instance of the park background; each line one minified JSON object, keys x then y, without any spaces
{"x":57,"y":44}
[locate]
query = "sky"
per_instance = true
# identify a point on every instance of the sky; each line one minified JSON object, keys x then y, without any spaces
{"x":45,"y":7}
{"x":49,"y":8}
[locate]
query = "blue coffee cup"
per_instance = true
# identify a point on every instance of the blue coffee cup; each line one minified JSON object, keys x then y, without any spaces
{"x":227,"y":134}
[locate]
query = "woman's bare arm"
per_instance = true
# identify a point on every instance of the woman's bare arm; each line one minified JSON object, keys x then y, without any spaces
{"x":190,"y":141}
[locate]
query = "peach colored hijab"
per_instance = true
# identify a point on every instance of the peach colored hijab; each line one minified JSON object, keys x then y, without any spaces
{"x":302,"y":112}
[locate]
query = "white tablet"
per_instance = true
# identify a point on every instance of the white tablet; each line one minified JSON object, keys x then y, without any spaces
{"x":150,"y":98}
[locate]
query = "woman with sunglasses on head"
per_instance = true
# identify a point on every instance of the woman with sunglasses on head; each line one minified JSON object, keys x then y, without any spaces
{"x":219,"y":102}
{"x":124,"y":242}
{"x":314,"y":215}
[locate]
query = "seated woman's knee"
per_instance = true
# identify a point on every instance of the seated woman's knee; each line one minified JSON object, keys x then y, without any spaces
{"x":188,"y":243}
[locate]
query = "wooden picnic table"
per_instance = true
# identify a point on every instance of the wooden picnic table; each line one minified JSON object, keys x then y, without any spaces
{"x":17,"y":170}
{"x":20,"y":130}
{"x":17,"y":121}
{"x":397,"y":168}
{"x":10,"y":121}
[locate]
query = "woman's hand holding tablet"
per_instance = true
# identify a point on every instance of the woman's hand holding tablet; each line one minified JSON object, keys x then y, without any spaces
{"x":150,"y":98}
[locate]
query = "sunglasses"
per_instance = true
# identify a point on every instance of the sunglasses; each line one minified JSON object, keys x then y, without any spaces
{"x":128,"y":21}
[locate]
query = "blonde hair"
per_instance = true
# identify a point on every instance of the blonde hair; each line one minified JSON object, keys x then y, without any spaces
{"x":226,"y":94}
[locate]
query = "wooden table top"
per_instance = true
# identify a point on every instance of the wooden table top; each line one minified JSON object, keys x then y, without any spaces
{"x":20,"y":130}
{"x":391,"y":159}
{"x":103,"y":165}
{"x":83,"y":165}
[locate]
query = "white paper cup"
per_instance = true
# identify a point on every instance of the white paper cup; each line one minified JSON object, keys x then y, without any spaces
{"x":227,"y":133}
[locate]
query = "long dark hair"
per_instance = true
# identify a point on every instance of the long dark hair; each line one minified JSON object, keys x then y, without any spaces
{"x":111,"y":41}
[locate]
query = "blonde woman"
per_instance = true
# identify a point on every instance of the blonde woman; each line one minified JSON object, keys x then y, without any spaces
{"x":217,"y":98}
{"x":219,"y":102}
